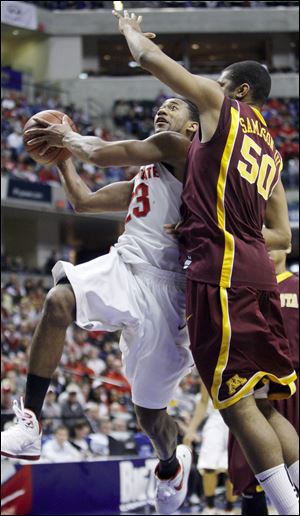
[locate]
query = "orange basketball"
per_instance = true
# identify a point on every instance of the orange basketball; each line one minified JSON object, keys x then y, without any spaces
{"x":54,"y":154}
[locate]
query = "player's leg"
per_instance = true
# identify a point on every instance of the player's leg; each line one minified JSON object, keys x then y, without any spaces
{"x":230,"y":497}
{"x":48,"y":343}
{"x":155,"y":362}
{"x":254,"y":504}
{"x":210,"y":482}
{"x":287,"y":436}
{"x":162,"y":431}
{"x":263,"y":451}
{"x":23,"y":440}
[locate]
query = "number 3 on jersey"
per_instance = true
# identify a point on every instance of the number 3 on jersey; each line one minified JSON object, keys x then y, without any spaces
{"x":140,"y":202}
{"x":261,"y":169}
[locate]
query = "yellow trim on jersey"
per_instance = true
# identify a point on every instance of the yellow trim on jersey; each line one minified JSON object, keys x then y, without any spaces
{"x":283,"y":276}
{"x":225,"y":345}
{"x":227,"y":265}
{"x":259,"y":115}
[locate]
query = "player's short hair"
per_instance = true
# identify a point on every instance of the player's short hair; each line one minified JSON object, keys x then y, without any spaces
{"x":253,"y":73}
{"x":193,"y":110}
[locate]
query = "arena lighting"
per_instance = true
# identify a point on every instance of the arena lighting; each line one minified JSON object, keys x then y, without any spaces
{"x":118,"y":6}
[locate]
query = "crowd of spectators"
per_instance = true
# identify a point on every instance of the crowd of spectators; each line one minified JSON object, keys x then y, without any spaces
{"x":88,"y":411}
{"x":95,"y":4}
{"x":131,"y":119}
{"x":16,"y":163}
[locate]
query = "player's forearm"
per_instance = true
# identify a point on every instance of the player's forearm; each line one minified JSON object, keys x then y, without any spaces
{"x":83,"y":147}
{"x":76,"y":190}
{"x":277,"y":239}
{"x":139,"y":46}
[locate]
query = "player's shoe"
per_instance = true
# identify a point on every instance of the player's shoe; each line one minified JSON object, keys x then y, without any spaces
{"x":23,"y":440}
{"x":172,"y":492}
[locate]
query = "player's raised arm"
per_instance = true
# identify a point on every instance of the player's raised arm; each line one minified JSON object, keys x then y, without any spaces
{"x":114,"y":197}
{"x":277,"y":231}
{"x":205,"y":93}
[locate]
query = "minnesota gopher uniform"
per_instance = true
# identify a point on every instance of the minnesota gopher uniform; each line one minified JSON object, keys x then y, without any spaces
{"x":233,"y":307}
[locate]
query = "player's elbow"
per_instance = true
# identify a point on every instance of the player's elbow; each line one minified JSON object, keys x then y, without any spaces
{"x":284,"y":238}
{"x":287,"y":238}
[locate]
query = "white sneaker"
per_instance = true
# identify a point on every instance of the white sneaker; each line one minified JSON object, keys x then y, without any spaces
{"x":22,"y":440}
{"x":172,"y":492}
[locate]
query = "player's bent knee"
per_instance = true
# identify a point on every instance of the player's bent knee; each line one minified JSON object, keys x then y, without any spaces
{"x":60,"y":305}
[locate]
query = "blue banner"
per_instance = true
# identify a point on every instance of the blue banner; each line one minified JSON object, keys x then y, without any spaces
{"x":102,"y":487}
{"x":27,"y":191}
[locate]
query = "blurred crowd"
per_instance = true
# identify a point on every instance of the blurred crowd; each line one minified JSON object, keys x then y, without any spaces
{"x":131,"y":119}
{"x":88,"y":410}
{"x":95,"y":4}
{"x":16,"y":163}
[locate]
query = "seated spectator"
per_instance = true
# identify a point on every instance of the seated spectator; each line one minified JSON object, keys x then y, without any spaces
{"x":51,"y":413}
{"x":59,"y":449}
{"x":71,"y":410}
{"x":81,"y":441}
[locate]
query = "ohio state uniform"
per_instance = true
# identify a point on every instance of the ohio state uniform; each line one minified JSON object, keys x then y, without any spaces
{"x":138,"y":288}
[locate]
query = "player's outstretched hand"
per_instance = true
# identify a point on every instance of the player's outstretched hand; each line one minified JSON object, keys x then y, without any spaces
{"x":133,"y":21}
{"x":51,"y":135}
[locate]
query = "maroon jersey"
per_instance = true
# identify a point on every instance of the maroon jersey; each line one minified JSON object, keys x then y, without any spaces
{"x":288,"y":285}
{"x":228,"y":182}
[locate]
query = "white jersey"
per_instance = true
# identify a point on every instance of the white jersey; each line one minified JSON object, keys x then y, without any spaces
{"x":156,"y":200}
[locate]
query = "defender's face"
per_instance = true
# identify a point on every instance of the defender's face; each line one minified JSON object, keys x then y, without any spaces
{"x":172,"y":115}
{"x":226,"y":85}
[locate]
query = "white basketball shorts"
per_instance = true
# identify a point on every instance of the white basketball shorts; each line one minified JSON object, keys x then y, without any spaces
{"x":148,"y":305}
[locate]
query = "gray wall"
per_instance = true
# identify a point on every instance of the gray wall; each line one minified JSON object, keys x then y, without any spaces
{"x":168,"y":21}
{"x":104,"y":90}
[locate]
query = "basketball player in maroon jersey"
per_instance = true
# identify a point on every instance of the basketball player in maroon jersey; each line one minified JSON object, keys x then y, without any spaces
{"x":245,"y":483}
{"x":233,"y":306}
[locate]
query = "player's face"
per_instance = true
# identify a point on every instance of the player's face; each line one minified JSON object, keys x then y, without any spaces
{"x":226,"y":85}
{"x":172,"y":115}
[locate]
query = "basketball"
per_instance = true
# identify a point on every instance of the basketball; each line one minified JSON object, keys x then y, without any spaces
{"x":54,"y":154}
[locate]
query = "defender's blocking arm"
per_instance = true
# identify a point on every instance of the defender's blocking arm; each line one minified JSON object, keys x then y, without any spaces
{"x":113,"y":197}
{"x":205,"y":93}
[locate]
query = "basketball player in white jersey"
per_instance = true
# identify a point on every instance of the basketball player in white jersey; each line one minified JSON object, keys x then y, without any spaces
{"x":137,"y":288}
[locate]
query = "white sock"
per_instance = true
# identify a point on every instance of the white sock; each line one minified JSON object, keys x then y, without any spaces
{"x":279,"y":489}
{"x":294,"y":473}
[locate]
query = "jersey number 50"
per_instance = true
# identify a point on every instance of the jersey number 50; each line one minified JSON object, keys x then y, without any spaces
{"x":261,"y":168}
{"x":140,"y":201}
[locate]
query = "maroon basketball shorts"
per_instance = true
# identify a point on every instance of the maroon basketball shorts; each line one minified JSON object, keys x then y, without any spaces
{"x":238,"y":341}
{"x":239,"y":471}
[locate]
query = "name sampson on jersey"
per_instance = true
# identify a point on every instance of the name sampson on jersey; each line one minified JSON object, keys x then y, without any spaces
{"x":254,"y":127}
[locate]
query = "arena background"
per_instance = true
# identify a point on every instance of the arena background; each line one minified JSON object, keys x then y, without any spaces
{"x":68,"y":55}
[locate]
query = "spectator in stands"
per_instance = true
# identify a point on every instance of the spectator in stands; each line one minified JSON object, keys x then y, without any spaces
{"x":81,"y":441}
{"x":59,"y":449}
{"x":51,"y":413}
{"x":115,"y":374}
{"x":71,"y":410}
